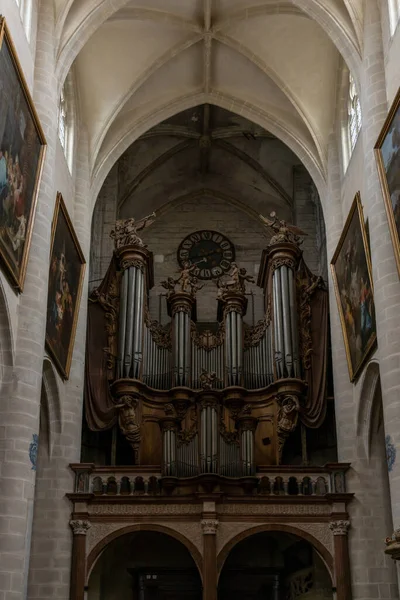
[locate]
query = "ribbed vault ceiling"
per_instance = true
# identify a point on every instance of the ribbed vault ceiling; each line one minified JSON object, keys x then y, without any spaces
{"x":138,"y":62}
{"x":206,"y":151}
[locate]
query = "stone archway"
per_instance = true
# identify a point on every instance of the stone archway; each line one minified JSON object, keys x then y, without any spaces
{"x":269,"y":560}
{"x":150,"y":560}
{"x":100,"y":547}
{"x":324,"y":553}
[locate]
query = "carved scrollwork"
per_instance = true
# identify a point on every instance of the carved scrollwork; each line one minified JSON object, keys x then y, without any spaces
{"x":79,"y":527}
{"x":169,"y":410}
{"x":281,"y":261}
{"x":230,"y":437}
{"x":109,"y":301}
{"x":339,"y":527}
{"x":209,"y":526}
{"x":254,"y":335}
{"x":161,"y":335}
{"x":185,"y":436}
{"x":306,"y":286}
{"x":181,"y":307}
{"x":208,"y":401}
{"x":126,"y":263}
{"x":206,"y":339}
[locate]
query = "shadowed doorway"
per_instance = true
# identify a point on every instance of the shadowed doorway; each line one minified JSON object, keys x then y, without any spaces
{"x":145,"y":565}
{"x":274,"y":566}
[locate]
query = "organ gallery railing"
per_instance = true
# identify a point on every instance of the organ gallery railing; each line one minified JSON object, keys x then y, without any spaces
{"x":202,"y":402}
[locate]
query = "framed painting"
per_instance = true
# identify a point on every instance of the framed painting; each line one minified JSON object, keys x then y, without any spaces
{"x":22,"y":149}
{"x":67,"y":269}
{"x":351,"y":272}
{"x":387,"y":153}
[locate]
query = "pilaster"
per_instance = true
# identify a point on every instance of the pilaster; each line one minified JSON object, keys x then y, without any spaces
{"x":78,"y":563}
{"x":209,"y":525}
{"x":342,"y":559}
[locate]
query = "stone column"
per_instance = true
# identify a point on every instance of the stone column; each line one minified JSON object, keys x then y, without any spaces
{"x":20,"y":411}
{"x":78,"y":562}
{"x":209,"y":526}
{"x":385,"y":275}
{"x":342,"y":559}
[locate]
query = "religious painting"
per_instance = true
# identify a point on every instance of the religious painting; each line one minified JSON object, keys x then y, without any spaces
{"x":67,"y":267}
{"x":22,"y":147}
{"x":351,"y":272}
{"x":387,"y":152}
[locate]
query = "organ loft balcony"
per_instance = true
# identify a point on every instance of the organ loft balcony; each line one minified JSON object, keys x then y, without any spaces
{"x":231,"y":410}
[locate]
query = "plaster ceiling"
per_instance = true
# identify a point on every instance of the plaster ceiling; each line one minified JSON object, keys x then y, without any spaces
{"x":138,"y":62}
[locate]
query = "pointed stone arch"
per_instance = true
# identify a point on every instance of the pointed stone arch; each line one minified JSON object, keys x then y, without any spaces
{"x":50,"y":405}
{"x":367,"y":405}
{"x":124,"y":139}
{"x":6,"y":341}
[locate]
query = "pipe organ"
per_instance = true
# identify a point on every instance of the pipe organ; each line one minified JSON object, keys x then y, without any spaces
{"x":208,"y":403}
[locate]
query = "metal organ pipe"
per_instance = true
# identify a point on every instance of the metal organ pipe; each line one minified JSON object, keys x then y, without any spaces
{"x":233,"y":347}
{"x":239,"y":346}
{"x":279,"y":345}
{"x":130,"y":313}
{"x":286,"y":323}
{"x":122,"y":324}
{"x":137,"y":333}
{"x":293,"y":322}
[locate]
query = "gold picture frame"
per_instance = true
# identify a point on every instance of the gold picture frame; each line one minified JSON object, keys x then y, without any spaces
{"x":387,"y":154}
{"x":352,"y":278}
{"x":66,"y":275}
{"x":22,"y":150}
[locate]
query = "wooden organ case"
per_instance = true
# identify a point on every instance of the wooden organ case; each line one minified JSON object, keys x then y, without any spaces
{"x":202,"y":404}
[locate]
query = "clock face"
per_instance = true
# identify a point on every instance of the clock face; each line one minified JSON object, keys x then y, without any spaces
{"x":210,"y":251}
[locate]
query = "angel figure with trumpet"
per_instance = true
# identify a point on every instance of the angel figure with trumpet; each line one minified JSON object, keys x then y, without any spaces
{"x":284,"y":232}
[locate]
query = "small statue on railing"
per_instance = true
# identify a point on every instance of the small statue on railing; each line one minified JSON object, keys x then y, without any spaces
{"x":125,"y":232}
{"x":208,"y":379}
{"x":284,"y":232}
{"x":127,"y":420}
{"x":236,"y":283}
{"x":186,"y":281}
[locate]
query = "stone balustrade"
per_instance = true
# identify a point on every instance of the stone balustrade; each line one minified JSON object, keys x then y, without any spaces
{"x":273,"y":481}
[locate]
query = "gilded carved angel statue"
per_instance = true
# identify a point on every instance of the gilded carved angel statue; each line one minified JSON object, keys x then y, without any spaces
{"x":284,"y":231}
{"x":125,"y":232}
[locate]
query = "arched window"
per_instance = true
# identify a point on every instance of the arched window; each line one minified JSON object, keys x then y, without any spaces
{"x":394,"y":14}
{"x":66,"y":121}
{"x":62,"y":120}
{"x":25,"y":10}
{"x":354,"y":114}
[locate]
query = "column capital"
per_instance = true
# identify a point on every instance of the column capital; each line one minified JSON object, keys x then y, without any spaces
{"x":79,"y":527}
{"x":339,"y":527}
{"x":209,"y":526}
